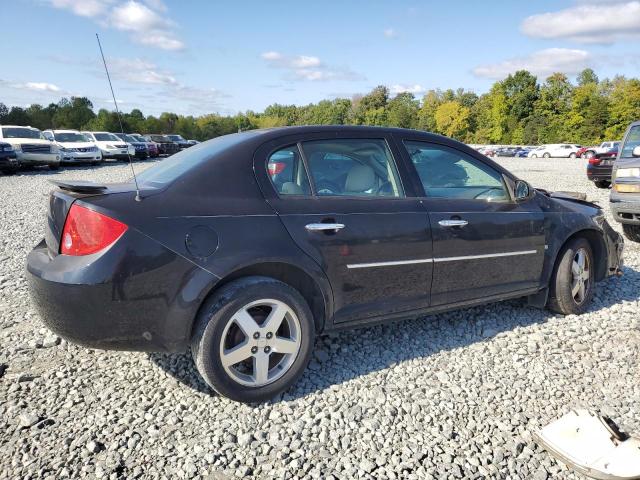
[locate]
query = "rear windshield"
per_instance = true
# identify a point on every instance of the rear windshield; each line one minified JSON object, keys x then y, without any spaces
{"x":632,"y":141}
{"x":19,"y":132}
{"x":171,"y":168}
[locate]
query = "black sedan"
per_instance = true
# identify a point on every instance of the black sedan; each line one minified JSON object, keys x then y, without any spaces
{"x":600,"y":167}
{"x":247,"y":246}
{"x":8,"y":159}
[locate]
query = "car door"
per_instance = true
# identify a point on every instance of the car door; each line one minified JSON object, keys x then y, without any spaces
{"x":485,"y":245}
{"x":342,"y":200}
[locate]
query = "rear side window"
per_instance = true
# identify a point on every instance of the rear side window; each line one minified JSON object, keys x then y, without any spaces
{"x":287,"y":172}
{"x":449,"y":173}
{"x":352,"y":167}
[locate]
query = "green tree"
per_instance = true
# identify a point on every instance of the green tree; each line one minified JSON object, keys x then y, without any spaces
{"x":625,"y":106}
{"x":586,"y":77}
{"x":402,"y":111}
{"x":452,"y":119}
{"x":426,"y":117}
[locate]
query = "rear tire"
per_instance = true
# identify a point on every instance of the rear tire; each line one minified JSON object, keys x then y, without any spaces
{"x":602,"y":183}
{"x":235,"y":320}
{"x":572,"y":283}
{"x":572,"y":155}
{"x":588,"y":154}
{"x":632,"y":232}
{"x":546,"y":155}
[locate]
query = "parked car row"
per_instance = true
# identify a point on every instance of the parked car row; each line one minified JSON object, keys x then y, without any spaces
{"x":25,"y":146}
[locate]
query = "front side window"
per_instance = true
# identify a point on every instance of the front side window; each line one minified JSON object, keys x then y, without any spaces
{"x":352,"y":167}
{"x":632,"y":141}
{"x":287,"y":173}
{"x":449,"y":173}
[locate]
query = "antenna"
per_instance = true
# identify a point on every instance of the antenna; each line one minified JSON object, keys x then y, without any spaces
{"x":138,"y":197}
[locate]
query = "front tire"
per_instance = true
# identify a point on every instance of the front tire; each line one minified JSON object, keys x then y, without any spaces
{"x":546,"y":155}
{"x":253,"y":339}
{"x":572,"y":283}
{"x":632,"y":232}
{"x":572,"y":155}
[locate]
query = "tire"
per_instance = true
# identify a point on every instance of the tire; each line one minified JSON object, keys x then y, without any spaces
{"x":561,"y":297}
{"x":54,"y":166}
{"x":215,"y":329}
{"x":546,"y":155}
{"x":632,"y":232}
{"x":602,"y":183}
{"x":572,"y":155}
{"x":534,"y":156}
{"x":588,"y":154}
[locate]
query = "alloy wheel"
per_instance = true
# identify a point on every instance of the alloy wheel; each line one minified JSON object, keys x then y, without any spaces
{"x":580,"y":276}
{"x":260,"y":342}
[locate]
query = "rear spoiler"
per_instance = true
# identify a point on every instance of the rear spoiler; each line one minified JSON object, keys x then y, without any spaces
{"x":79,"y":186}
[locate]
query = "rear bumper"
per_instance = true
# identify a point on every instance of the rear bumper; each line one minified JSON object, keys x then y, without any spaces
{"x":119,"y":299}
{"x":599,"y":172}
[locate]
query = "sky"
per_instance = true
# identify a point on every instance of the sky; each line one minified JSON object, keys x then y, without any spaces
{"x":197,"y":57}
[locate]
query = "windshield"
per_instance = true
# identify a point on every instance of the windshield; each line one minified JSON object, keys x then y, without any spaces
{"x":70,"y":137}
{"x":177,"y":138}
{"x":632,"y":141}
{"x":159,"y":138}
{"x":168,"y":170}
{"x":21,"y":132}
{"x":130,"y":138}
{"x":106,"y":137}
{"x":139,"y":138}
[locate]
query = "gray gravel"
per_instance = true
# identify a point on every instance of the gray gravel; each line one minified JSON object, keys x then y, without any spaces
{"x":455,"y":395}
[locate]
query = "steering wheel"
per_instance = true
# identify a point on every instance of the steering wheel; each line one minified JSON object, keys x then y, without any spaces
{"x":490,"y":194}
{"x":325,"y":187}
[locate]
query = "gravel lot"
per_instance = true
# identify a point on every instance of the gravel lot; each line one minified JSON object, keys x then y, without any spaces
{"x":455,"y":395}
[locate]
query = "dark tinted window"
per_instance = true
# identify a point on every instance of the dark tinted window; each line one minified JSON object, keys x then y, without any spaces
{"x":354,"y":167}
{"x":449,"y":173}
{"x":287,"y":173}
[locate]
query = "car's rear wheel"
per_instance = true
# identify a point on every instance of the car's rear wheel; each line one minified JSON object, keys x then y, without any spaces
{"x":546,"y":155}
{"x":253,"y":339}
{"x":588,"y":154}
{"x":572,"y":155}
{"x":632,"y":232}
{"x":602,"y":183}
{"x":534,"y":156}
{"x":573,"y":280}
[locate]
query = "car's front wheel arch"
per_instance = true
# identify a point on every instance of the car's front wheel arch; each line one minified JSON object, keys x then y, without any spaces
{"x":598,"y":247}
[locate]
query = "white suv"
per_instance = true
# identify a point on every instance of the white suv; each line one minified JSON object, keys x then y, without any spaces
{"x":30,"y":146}
{"x":110,"y":145}
{"x":74,"y":146}
{"x":567,"y":150}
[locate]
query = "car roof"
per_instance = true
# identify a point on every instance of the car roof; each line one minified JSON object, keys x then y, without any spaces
{"x":19,"y":126}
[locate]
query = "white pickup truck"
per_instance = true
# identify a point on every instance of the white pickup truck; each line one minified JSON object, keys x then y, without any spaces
{"x":604,"y":147}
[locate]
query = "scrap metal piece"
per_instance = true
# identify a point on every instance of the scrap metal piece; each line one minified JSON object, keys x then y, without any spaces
{"x":593,"y":445}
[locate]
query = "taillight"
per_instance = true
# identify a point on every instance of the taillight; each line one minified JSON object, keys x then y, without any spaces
{"x":86,"y":232}
{"x":594,"y":161}
{"x":276,"y":167}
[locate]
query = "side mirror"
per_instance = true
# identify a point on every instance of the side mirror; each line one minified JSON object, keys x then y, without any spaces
{"x":522,"y":190}
{"x":636,"y":151}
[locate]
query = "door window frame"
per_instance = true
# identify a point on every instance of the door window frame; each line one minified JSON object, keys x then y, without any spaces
{"x":264,"y":152}
{"x":507,"y":179}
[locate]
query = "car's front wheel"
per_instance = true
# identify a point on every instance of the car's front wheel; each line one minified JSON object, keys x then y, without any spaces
{"x":573,"y":280}
{"x":572,"y":155}
{"x":253,"y":339}
{"x":632,"y":232}
{"x":546,"y":155}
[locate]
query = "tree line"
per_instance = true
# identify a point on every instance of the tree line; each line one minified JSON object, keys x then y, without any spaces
{"x":516,"y":110}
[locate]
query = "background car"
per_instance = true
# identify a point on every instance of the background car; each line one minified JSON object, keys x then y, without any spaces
{"x":152,"y":147}
{"x":141,"y":149}
{"x":599,"y":168}
{"x":110,"y":145}
{"x":523,"y":152}
{"x":74,"y":146}
{"x":165,"y":146}
{"x":179,"y":140}
{"x":245,"y":269}
{"x":8,"y":159}
{"x":506,"y":152}
{"x":30,"y":146}
{"x":604,"y":147}
{"x":193,"y":142}
{"x":555,"y":150}
{"x":625,"y":194}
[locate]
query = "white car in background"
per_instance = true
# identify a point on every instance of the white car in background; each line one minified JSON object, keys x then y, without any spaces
{"x":30,"y":146}
{"x":74,"y":146}
{"x":556,"y":150}
{"x":110,"y":145}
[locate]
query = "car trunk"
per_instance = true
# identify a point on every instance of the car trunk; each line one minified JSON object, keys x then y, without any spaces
{"x":61,"y":199}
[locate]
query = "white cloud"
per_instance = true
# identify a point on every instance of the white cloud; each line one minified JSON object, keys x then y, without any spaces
{"x":146,"y":22}
{"x":41,"y":87}
{"x":416,"y":89}
{"x":390,"y":33}
{"x":306,"y":67}
{"x":541,"y":63}
{"x":601,"y":22}
{"x":139,"y":71}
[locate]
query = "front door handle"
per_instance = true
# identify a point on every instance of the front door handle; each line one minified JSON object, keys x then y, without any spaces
{"x":324,"y":227}
{"x":453,"y":223}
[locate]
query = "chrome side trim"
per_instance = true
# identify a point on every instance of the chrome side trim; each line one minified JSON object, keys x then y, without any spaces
{"x":488,"y":255}
{"x":389,"y":264}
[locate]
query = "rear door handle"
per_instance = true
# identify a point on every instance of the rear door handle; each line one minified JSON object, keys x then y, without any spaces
{"x":323,"y":227}
{"x":453,"y":223}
